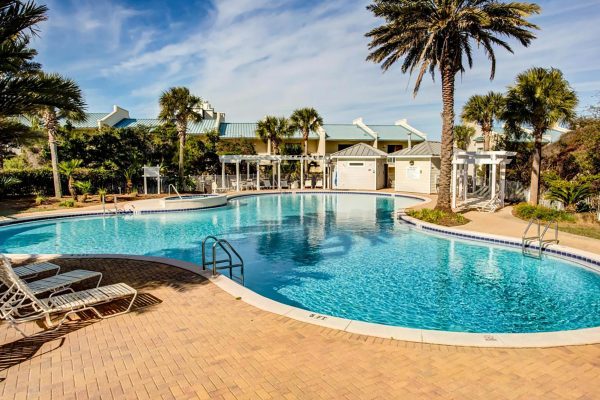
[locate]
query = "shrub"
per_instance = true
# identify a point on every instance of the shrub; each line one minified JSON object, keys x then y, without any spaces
{"x":85,"y":188}
{"x":40,"y":199}
{"x":67,"y":203}
{"x":569,"y":193}
{"x":438,"y":217}
{"x":6,"y":183}
{"x":527,"y":211}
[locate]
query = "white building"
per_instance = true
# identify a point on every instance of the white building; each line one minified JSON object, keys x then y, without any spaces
{"x":417,"y":169}
{"x":359,"y":167}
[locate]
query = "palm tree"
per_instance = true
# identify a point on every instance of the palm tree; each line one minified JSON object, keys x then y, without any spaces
{"x":540,"y":98}
{"x":179,"y":106}
{"x":66,"y":103}
{"x":67,"y":168}
{"x":274,"y":130}
{"x":463,"y":135}
{"x":483,"y":110}
{"x":439,"y":35}
{"x":306,"y":120}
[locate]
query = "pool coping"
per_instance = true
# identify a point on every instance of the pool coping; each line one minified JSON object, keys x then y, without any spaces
{"x":584,"y":336}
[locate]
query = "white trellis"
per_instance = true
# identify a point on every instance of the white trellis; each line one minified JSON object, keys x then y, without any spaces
{"x":153,"y":173}
{"x":488,"y":197}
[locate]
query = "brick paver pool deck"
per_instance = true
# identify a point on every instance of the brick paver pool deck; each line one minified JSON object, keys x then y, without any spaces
{"x":188,"y":339}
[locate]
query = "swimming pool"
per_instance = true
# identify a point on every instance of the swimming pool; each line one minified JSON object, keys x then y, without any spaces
{"x":344,"y":255}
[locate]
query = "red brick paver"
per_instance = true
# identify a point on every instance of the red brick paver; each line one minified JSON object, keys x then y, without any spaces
{"x":187,"y":339}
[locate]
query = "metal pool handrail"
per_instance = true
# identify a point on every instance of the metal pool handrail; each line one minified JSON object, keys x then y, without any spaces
{"x":175,"y":189}
{"x":229,"y":262}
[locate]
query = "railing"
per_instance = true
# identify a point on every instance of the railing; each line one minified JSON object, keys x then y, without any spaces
{"x":225,"y":263}
{"x":175,"y":189}
{"x":542,"y":243}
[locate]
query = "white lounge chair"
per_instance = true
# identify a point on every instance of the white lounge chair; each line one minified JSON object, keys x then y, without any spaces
{"x":31,"y":271}
{"x":284,"y":184}
{"x":19,"y":304}
{"x":217,"y":189}
{"x":490,"y":205}
{"x":266,"y":184}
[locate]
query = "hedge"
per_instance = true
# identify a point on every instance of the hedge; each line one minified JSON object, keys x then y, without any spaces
{"x":39,"y":180}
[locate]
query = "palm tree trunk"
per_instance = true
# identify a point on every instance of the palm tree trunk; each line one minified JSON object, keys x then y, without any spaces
{"x":444,"y":202}
{"x":50,"y":123}
{"x":534,"y":187}
{"x":181,"y":131}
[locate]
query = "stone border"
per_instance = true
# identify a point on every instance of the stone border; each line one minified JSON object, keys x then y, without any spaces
{"x":500,"y":340}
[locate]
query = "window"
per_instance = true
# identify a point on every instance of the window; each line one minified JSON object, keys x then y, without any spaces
{"x":356,"y":164}
{"x":394,"y":147}
{"x":343,"y":146}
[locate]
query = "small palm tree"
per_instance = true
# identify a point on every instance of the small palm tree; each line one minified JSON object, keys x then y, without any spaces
{"x":67,"y":103}
{"x":484,"y":110}
{"x":179,"y":106}
{"x":463,"y":135}
{"x":306,"y":120}
{"x":6,"y":182}
{"x":85,"y":188}
{"x":569,"y":194}
{"x":129,"y":173}
{"x":274,"y":130}
{"x":67,"y":168}
{"x":540,"y":98}
{"x":431,"y":35}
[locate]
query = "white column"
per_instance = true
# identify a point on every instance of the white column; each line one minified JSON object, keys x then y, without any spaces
{"x":223,"y":174}
{"x":324,"y":174}
{"x":302,"y":174}
{"x":258,"y":175}
{"x":248,"y":170}
{"x":237,"y":176}
{"x":279,"y":175}
{"x":145,"y":185}
{"x":465,"y":181}
{"x":493,"y":182}
{"x":273,"y":171}
{"x":502,"y":183}
{"x":453,"y":183}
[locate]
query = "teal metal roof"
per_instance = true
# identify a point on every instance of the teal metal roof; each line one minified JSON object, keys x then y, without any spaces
{"x":91,"y":121}
{"x":360,"y":150}
{"x":346,"y":132}
{"x":194,"y":128}
{"x":394,"y":132}
{"x":238,"y":130}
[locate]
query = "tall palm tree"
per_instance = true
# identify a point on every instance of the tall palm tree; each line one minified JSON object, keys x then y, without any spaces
{"x":439,"y":35}
{"x":306,"y":120}
{"x":179,"y":106}
{"x":66,"y":102}
{"x":540,"y":98}
{"x":274,"y":130}
{"x":483,"y":110}
{"x":463,"y":135}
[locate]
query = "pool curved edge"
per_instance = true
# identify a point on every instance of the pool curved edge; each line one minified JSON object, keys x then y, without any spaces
{"x":576,"y":337}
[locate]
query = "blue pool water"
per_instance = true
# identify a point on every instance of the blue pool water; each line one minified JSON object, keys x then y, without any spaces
{"x":344,"y":255}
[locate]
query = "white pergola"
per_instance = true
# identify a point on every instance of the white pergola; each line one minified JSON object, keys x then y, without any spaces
{"x":259,"y":159}
{"x":460,"y":173}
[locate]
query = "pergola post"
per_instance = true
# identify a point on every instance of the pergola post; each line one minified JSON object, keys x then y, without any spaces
{"x":237,"y":176}
{"x":502,"y":183}
{"x":465,"y":181}
{"x":272,"y":173}
{"x":223,"y":174}
{"x":302,"y":173}
{"x":493,"y":180}
{"x":279,"y":175}
{"x":324,"y":175}
{"x":258,"y":175}
{"x":248,"y":170}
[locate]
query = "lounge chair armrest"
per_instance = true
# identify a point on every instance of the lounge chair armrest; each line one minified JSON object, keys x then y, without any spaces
{"x":61,"y":291}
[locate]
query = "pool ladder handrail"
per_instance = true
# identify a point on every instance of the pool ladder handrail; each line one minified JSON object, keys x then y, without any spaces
{"x":175,"y":189}
{"x":542,"y":243}
{"x":225,"y":263}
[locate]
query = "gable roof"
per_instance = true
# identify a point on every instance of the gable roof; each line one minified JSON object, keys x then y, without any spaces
{"x":360,"y":150}
{"x":422,"y":149}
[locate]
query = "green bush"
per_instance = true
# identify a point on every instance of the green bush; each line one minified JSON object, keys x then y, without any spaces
{"x":527,"y":211}
{"x":438,"y":217}
{"x":70,"y":203}
{"x":39,"y":180}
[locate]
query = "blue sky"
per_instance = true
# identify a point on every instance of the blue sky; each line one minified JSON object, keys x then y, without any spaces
{"x":251,"y":58}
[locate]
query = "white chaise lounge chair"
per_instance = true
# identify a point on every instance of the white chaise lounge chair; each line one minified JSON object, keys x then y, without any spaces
{"x":217,"y":189}
{"x":266,"y":184}
{"x":31,"y":271}
{"x":19,"y":304}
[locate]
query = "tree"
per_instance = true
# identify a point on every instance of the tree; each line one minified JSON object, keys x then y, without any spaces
{"x":433,"y":35}
{"x":484,"y":110}
{"x":540,"y":98}
{"x":68,"y":103}
{"x":67,"y":168}
{"x":463,"y":135}
{"x":179,"y":106}
{"x":306,"y":120}
{"x":274,"y":130}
